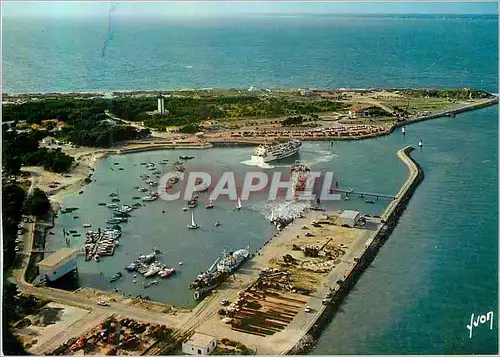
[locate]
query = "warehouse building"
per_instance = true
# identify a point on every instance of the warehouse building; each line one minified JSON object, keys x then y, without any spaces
{"x":58,"y":264}
{"x":349,"y":218}
{"x":199,"y":344}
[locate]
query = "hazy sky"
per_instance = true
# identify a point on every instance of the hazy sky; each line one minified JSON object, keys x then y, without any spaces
{"x":225,"y":8}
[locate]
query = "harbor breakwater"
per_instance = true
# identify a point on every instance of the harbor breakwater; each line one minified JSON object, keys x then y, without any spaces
{"x":473,"y":106}
{"x":389,"y":218}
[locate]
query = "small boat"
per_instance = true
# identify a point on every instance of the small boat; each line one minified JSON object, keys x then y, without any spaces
{"x":120,"y":213}
{"x":101,"y":204}
{"x":80,"y":192}
{"x":185,"y":157}
{"x":147,"y":285}
{"x":210,"y":205}
{"x":403,"y":130}
{"x":116,"y":163}
{"x":142,"y":189}
{"x":112,"y":205}
{"x":132,"y":266}
{"x":217,"y":223}
{"x":97,"y":257}
{"x":136,"y":198}
{"x":115,"y":199}
{"x":116,"y":277}
{"x":238,"y":204}
{"x":166,"y":272}
{"x":420,"y":143}
{"x":193,"y":224}
{"x":180,"y":168}
{"x":370,"y":201}
{"x":87,"y":225}
{"x":73,"y":231}
{"x":153,"y":269}
{"x":146,"y":258}
{"x":193,"y":202}
{"x":144,"y":163}
{"x":201,"y":187}
{"x":185,"y":209}
{"x":121,"y":169}
{"x":113,"y":194}
{"x":115,"y":220}
{"x":76,"y":217}
{"x":346,"y":198}
{"x":77,"y":235}
{"x":149,"y":198}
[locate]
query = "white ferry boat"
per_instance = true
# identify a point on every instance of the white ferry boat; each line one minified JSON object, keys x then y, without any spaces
{"x":276,"y":151}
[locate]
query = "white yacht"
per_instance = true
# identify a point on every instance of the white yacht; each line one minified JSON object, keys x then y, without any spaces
{"x":276,"y":151}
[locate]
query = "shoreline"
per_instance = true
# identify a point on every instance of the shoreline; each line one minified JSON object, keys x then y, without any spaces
{"x":207,"y":89}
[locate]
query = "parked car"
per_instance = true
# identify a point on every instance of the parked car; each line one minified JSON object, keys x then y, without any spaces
{"x":308,"y":309}
{"x":102,"y":303}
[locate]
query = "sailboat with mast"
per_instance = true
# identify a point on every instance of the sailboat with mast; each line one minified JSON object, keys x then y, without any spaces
{"x":238,"y":203}
{"x":210,"y":205}
{"x":193,"y":224}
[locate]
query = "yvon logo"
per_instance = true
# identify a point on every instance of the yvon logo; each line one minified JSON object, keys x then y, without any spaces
{"x":480,"y":319}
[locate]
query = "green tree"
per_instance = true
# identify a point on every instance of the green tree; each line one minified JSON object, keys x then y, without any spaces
{"x":38,"y":203}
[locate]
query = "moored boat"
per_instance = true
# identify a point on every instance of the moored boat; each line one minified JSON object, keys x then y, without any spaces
{"x":193,"y":202}
{"x":193,"y":224}
{"x":153,"y":269}
{"x":166,"y":272}
{"x":116,"y":277}
{"x":232,"y":261}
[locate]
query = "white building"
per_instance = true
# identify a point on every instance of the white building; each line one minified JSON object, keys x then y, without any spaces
{"x":199,"y":344}
{"x":349,"y":218}
{"x":59,"y":263}
{"x":49,"y":140}
{"x":161,"y":105}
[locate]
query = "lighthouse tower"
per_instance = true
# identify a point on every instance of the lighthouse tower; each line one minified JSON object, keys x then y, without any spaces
{"x":161,"y":105}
